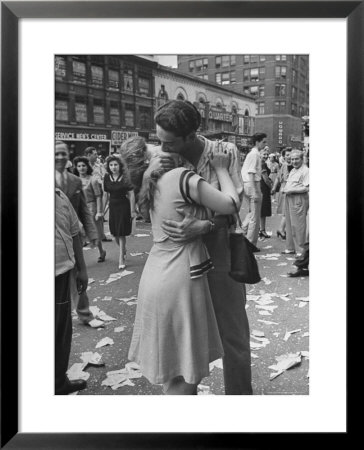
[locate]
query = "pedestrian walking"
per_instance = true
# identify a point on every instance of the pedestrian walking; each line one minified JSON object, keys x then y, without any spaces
{"x":122,"y":204}
{"x":68,"y":254}
{"x":177,"y":122}
{"x":175,"y":334}
{"x":251,"y":174}
{"x":297,"y":204}
{"x":93,"y":193}
{"x":265,"y":187}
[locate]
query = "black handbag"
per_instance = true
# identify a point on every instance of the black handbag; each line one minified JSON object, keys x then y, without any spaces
{"x":244,"y":266}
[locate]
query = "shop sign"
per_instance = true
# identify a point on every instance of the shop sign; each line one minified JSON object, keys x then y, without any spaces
{"x":118,"y":137}
{"x":222,"y":116}
{"x":67,"y":136}
{"x":296,"y":139}
{"x":280,"y":132}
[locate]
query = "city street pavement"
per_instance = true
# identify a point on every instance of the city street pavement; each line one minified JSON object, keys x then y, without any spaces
{"x":271,"y":317}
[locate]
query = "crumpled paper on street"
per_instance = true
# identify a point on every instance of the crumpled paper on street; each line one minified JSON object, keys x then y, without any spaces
{"x":105,"y":341}
{"x":93,"y":359}
{"x":217,"y":363}
{"x":119,"y":329}
{"x":258,"y":333}
{"x":126,"y":382}
{"x":106,"y":299}
{"x":127,"y":299}
{"x":118,"y":377}
{"x":75,"y":372}
{"x":264,"y":313}
{"x":270,"y":308}
{"x":203,"y":390}
{"x":101,"y":314}
{"x":141,"y":235}
{"x":303,"y":299}
{"x":117,"y":276}
{"x":285,"y":362}
{"x":288,"y":334}
{"x":136,"y":254}
{"x":267,"y":322}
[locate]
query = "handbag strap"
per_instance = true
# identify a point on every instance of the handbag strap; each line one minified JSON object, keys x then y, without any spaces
{"x":237,"y":212}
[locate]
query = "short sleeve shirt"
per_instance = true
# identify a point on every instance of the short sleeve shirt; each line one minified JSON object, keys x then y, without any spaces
{"x":298,"y":178}
{"x":91,"y":188}
{"x":66,"y":228}
{"x":252,"y":164}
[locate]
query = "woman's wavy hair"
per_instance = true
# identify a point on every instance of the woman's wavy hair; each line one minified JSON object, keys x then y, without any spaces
{"x":84,"y":160}
{"x":134,"y":153}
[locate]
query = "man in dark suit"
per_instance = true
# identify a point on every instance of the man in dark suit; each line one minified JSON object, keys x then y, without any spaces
{"x":71,"y":185}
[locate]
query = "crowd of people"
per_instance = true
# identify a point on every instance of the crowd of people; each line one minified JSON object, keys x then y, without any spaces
{"x":189,"y":310}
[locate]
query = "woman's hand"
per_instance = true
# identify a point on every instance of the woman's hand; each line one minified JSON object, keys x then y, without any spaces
{"x":220,"y":158}
{"x":99,"y":216}
{"x":133,"y":214}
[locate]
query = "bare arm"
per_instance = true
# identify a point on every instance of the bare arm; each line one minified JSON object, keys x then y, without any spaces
{"x":82,"y":277}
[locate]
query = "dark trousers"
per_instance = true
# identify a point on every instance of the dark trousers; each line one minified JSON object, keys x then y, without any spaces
{"x":63,"y":328}
{"x":229,"y":298}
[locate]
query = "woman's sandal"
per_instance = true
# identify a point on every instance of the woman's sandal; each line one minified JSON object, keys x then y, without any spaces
{"x":102,"y":257}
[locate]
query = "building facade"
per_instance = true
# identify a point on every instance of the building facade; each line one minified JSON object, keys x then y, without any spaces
{"x":279,"y":84}
{"x":101,"y":100}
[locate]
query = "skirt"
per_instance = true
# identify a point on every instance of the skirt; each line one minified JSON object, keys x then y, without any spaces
{"x":120,"y":217}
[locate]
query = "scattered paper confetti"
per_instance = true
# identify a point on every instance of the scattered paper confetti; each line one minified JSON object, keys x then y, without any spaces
{"x":75,"y":372}
{"x":117,"y":276}
{"x":305,"y":354}
{"x":119,"y":329}
{"x":302,"y":304}
{"x":274,"y":258}
{"x":126,"y":382}
{"x":256,"y":345}
{"x":258,"y":333}
{"x":141,"y":235}
{"x":252,"y":297}
{"x":285,"y":362}
{"x":106,"y":299}
{"x":267,"y":307}
{"x":305,"y":334}
{"x":276,"y":334}
{"x":217,"y":363}
{"x":267,"y":322}
{"x":303,"y":299}
{"x":105,"y":341}
{"x":253,"y":355}
{"x":127,"y":299}
{"x":203,"y":390}
{"x":136,"y":254}
{"x":91,"y":280}
{"x":288,"y":334}
{"x":267,"y":247}
{"x":282,"y":264}
{"x":265,"y":313}
{"x":93,"y":359}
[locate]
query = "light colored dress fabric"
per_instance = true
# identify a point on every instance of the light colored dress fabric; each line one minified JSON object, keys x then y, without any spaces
{"x":175,"y":331}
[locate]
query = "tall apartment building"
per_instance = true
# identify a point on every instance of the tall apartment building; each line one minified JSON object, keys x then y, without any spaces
{"x":279,"y":84}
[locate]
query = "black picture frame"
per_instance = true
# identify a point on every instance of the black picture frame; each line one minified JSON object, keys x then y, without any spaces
{"x":11,"y":12}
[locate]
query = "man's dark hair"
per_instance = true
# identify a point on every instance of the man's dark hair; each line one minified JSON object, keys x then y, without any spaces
{"x":179,"y":117}
{"x":258,"y":137}
{"x":89,"y":150}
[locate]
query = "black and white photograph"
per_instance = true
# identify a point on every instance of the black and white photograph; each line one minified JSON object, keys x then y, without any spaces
{"x":182,"y":224}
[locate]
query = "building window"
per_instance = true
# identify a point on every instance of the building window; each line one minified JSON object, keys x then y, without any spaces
{"x":97,"y":75}
{"x":294,"y":76}
{"x":79,"y":71}
{"x":233,"y":77}
{"x":99,"y":112}
{"x":246,"y":59}
{"x":60,"y":67}
{"x":280,"y":106}
{"x":262,"y":72}
{"x":203,"y":76}
{"x":114,"y":113}
{"x":281,"y":71}
{"x":246,"y":91}
{"x":145,"y":122}
{"x":280,"y":90}
{"x":128,"y":80}
{"x":225,"y":78}
{"x":218,"y":62}
{"x":113,"y":79}
{"x":281,"y":57}
{"x":180,"y":96}
{"x":218,"y":78}
{"x":294,"y":109}
{"x":144,"y":86}
{"x":205,"y":64}
{"x":225,"y":61}
{"x":254,"y":58}
{"x":261,"y":91}
{"x":246,"y":75}
{"x":81,"y":110}
{"x":129,"y":115}
{"x":198,"y":64}
{"x":260,"y":108}
{"x":254,"y":74}
{"x":294,"y":58}
{"x":301,"y":96}
{"x":254,"y":90}
{"x":262,"y":58}
{"x":294,"y":93}
{"x":191,"y":66}
{"x":61,"y":110}
{"x":232,"y":60}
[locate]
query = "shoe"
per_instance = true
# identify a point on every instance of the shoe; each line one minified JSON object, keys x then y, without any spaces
{"x":102,"y":257}
{"x":281,"y":235}
{"x":71,"y":386}
{"x":288,"y":252}
{"x":105,"y":239}
{"x":122,"y":266}
{"x":299,"y":273}
{"x":95,"y":323}
{"x":262,"y":233}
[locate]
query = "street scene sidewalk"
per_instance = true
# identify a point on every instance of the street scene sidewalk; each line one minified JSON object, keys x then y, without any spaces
{"x":277,"y":308}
